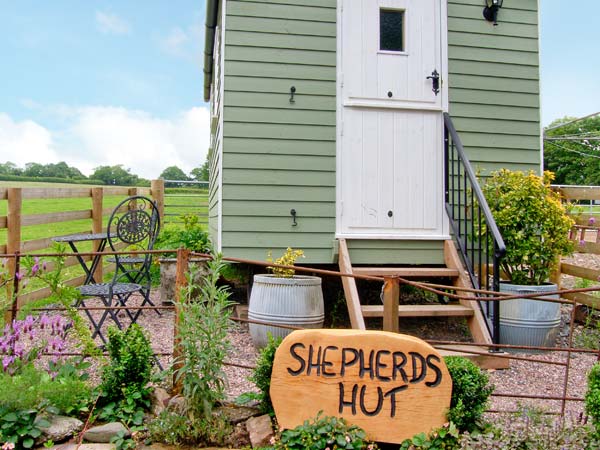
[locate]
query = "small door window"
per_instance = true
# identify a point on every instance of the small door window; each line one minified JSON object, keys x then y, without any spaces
{"x":391,"y":30}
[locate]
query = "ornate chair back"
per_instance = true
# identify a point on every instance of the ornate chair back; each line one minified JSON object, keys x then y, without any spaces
{"x":133,"y":225}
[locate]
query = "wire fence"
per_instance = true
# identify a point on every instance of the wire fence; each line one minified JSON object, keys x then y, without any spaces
{"x":185,"y":198}
{"x":567,"y":351}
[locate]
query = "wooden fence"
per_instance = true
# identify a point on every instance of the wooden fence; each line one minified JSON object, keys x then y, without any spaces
{"x":585,"y":210}
{"x":96,"y":216}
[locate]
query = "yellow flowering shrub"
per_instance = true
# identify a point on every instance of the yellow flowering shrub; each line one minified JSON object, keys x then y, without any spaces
{"x":287,"y":259}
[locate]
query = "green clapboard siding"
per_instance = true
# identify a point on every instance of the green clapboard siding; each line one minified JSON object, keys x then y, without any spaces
{"x":279,"y":155}
{"x":494,"y":84}
{"x":370,"y":251}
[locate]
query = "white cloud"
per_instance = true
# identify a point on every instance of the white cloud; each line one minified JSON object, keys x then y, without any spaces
{"x":185,"y":44}
{"x":174,"y":43}
{"x":109,"y":23}
{"x":25,"y":141}
{"x":98,"y":135}
{"x":141,"y":142}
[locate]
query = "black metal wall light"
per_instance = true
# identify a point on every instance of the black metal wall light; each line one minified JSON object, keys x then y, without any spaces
{"x":490,"y":12}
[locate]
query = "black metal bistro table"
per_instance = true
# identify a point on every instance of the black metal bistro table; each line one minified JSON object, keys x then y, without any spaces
{"x":73,"y":239}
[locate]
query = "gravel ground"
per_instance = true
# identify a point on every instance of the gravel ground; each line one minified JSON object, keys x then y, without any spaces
{"x":523,"y":377}
{"x":544,"y":379}
{"x":159,"y":328}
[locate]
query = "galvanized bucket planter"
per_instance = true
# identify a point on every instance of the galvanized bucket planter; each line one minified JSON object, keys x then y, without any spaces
{"x":295,"y":301}
{"x":529,"y":322}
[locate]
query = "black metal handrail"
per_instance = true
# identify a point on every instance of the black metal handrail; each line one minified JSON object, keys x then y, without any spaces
{"x":475,"y":231}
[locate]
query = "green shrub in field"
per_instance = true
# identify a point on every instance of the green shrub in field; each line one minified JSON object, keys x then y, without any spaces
{"x":470,"y":392}
{"x":592,"y":396}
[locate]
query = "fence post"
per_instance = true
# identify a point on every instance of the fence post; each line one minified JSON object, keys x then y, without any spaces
{"x":391,"y":296}
{"x":13,"y":242}
{"x":97,"y":212}
{"x":157,"y":191}
{"x":183,"y":258}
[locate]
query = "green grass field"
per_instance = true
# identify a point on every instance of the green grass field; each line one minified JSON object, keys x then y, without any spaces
{"x":190,"y":201}
{"x":177,"y":202}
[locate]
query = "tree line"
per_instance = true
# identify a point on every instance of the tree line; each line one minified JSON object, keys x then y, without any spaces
{"x":572,"y":150}
{"x":113,"y":175}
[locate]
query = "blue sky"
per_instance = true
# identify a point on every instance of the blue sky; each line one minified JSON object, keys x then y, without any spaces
{"x":103,"y":82}
{"x":111,"y":82}
{"x":570,"y":32}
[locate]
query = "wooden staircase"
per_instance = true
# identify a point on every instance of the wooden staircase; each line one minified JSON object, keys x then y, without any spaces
{"x":452,"y":271}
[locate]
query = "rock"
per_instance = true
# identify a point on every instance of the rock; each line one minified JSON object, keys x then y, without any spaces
{"x":239,"y":437}
{"x":75,"y":446}
{"x":177,"y":403}
{"x":260,"y":430}
{"x":61,"y":428}
{"x":237,"y":414}
{"x":104,"y":433}
{"x":160,"y":400}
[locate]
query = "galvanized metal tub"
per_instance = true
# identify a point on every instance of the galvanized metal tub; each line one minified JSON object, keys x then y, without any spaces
{"x":295,"y":301}
{"x":529,"y":322}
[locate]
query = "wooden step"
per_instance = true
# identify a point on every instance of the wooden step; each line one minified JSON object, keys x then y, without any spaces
{"x":420,"y":311}
{"x":406,"y":272}
{"x":482,"y":358}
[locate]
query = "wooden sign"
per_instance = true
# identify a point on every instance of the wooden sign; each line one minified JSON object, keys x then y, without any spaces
{"x":391,"y":385}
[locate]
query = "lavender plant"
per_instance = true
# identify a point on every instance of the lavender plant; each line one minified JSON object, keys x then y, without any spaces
{"x":24,"y":341}
{"x":51,"y":275}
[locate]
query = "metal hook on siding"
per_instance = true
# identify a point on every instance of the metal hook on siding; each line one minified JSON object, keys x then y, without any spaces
{"x":293,"y":213}
{"x":292,"y":92}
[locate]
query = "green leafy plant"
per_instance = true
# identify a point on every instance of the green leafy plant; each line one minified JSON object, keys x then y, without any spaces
{"x":533,"y":223}
{"x":204,"y":321}
{"x":177,"y":429}
{"x":589,"y":335}
{"x":444,"y":438}
{"x":324,"y":432}
{"x":287,"y":259}
{"x":470,"y":392}
{"x":261,"y":376}
{"x":33,"y":388}
{"x":192,"y":236}
{"x":124,"y":440}
{"x":19,"y":427}
{"x":125,"y":391}
{"x":592,"y":396}
{"x":203,"y":325}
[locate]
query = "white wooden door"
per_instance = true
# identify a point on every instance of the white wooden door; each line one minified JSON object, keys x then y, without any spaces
{"x":390,"y":127}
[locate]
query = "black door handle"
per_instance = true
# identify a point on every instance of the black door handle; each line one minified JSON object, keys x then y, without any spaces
{"x":435,"y":81}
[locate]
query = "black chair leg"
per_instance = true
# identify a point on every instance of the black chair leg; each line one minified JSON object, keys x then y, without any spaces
{"x":107,"y":312}
{"x":146,"y":294}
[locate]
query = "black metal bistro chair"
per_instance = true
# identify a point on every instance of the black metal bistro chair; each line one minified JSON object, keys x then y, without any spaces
{"x":133,"y":225}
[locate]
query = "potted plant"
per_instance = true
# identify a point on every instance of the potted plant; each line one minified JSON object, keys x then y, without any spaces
{"x":535,"y":227}
{"x":192,"y":237}
{"x":284,"y":298}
